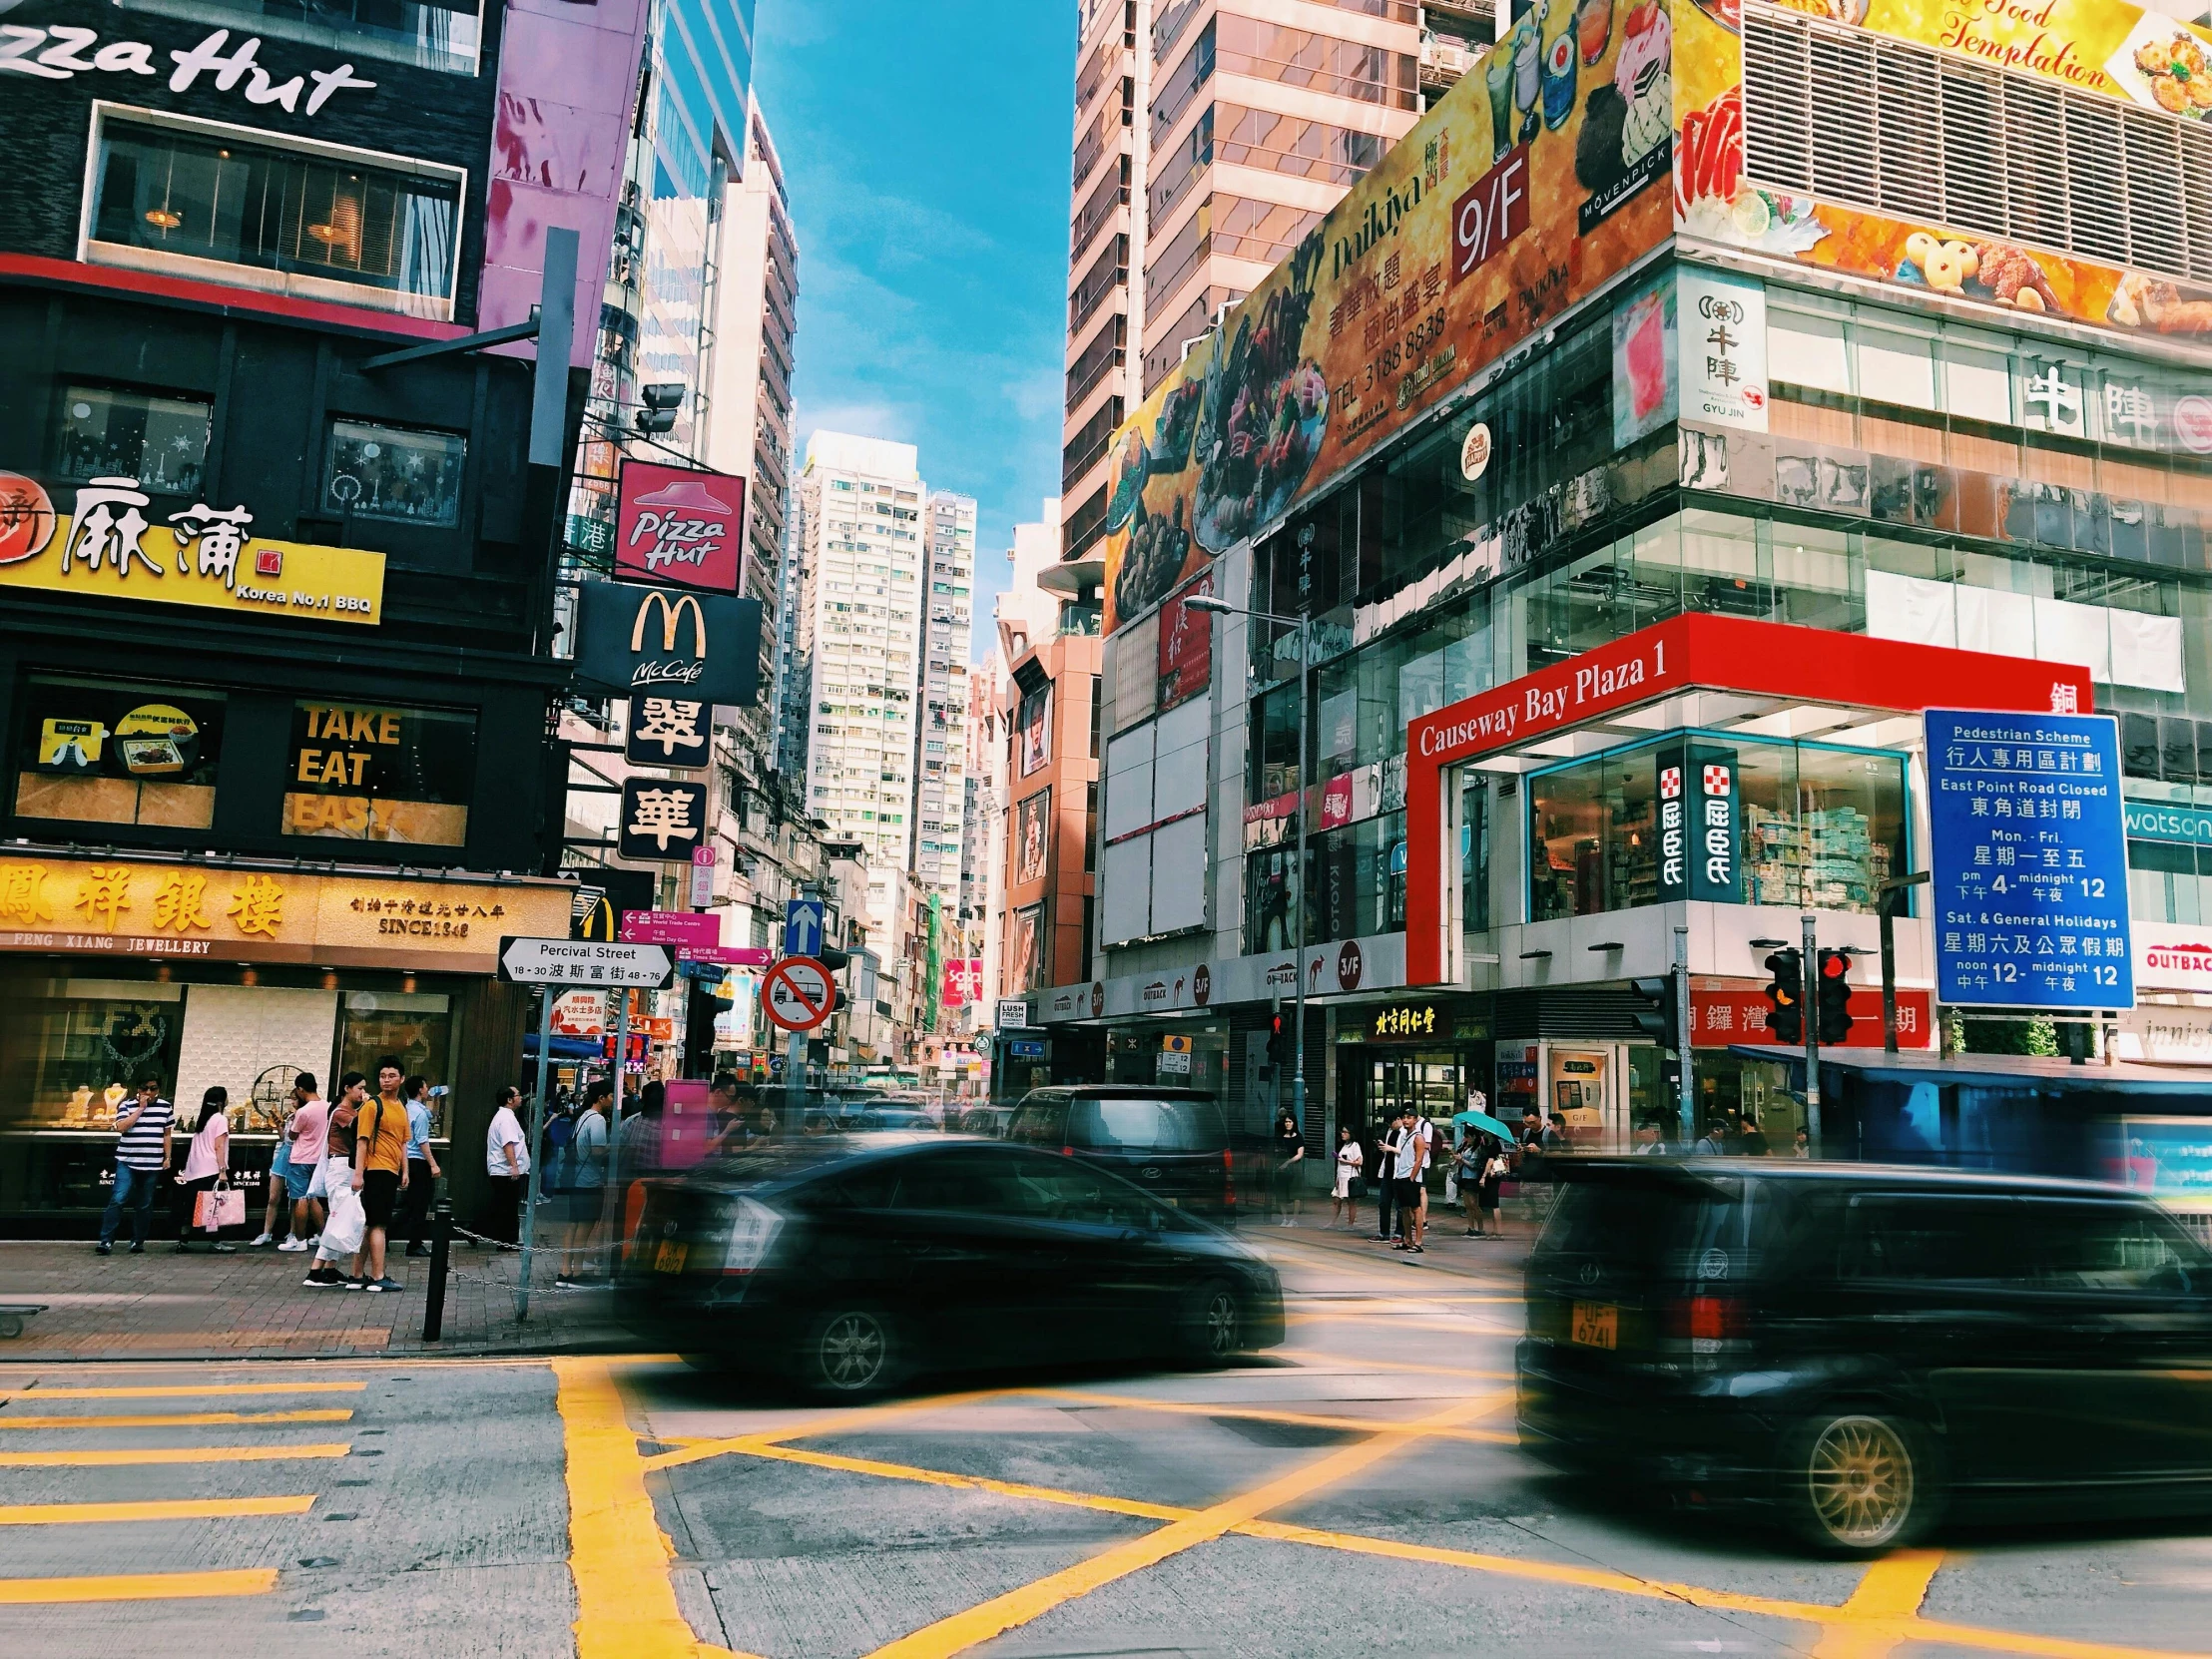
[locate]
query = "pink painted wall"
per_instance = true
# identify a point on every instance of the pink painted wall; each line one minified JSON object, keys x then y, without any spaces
{"x":568,"y":82}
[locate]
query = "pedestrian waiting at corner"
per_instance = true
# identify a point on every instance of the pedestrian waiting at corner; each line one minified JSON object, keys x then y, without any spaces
{"x":140,"y":1160}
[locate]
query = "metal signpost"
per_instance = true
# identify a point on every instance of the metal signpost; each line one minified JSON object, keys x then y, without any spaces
{"x":2029,"y":860}
{"x":555,"y":965}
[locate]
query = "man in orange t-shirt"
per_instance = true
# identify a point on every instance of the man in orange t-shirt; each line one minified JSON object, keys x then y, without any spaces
{"x":380,"y":1168}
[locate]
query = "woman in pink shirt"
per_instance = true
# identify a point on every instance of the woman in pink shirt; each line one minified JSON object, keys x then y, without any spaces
{"x":206,"y":1164}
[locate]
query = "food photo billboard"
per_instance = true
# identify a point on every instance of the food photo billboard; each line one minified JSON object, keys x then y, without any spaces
{"x":1540,"y":175}
{"x":2058,"y":65}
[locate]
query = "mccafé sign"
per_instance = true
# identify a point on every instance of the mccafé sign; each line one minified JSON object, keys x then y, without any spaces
{"x":637,"y":639}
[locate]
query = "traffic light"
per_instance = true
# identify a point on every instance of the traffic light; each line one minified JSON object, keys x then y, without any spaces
{"x":1662,"y":1020}
{"x":1279,"y":1040}
{"x":1785,"y":997}
{"x":1831,"y":998}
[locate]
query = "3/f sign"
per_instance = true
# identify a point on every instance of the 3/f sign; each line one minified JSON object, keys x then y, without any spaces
{"x":1491,"y":214}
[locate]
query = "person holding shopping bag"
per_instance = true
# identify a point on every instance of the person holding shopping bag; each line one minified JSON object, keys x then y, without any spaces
{"x":207,"y":1162}
{"x":346,"y":1224}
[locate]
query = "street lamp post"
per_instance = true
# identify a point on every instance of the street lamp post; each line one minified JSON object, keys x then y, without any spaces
{"x":1305,"y":626}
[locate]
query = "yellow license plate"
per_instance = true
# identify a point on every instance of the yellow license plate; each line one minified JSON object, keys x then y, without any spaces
{"x":1598,"y":1325}
{"x":670,"y":1259}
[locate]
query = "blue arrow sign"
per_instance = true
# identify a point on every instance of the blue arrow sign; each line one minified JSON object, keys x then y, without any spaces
{"x":803,"y":928}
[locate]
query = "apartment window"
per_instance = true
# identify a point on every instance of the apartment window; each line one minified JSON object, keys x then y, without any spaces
{"x":1304,"y":149}
{"x":443,"y":34}
{"x":1184,"y":251}
{"x":393,"y":472}
{"x":1319,"y":63}
{"x":160,"y":442}
{"x":1173,"y":174}
{"x":171,"y":195}
{"x":1107,"y":273}
{"x":1112,"y":191}
{"x":99,"y":751}
{"x":1262,"y":230}
{"x":1180,"y":86}
{"x":1088,"y":447}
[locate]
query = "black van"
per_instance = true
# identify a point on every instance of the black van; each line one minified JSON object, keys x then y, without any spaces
{"x":1858,"y":1350}
{"x":1174,"y":1143}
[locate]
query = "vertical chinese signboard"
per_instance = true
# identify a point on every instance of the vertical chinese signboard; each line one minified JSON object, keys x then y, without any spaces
{"x":1698,"y":816}
{"x":2029,"y":860}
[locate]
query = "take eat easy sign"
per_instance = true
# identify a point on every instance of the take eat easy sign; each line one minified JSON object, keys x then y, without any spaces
{"x":798,"y":993}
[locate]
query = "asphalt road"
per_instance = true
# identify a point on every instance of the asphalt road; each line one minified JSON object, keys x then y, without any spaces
{"x":1358,"y":1494}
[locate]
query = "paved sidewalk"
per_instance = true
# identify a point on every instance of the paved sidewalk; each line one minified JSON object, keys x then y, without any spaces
{"x":1449,"y":1250}
{"x":197,"y":1306}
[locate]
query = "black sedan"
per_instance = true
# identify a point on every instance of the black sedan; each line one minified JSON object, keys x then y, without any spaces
{"x":852,"y":1263}
{"x":1857,"y":1350}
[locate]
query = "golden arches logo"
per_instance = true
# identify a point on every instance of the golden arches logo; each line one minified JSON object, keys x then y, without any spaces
{"x":671,"y":620}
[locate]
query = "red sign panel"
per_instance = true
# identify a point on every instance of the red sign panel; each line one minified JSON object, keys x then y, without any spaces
{"x":691,"y":927}
{"x":1492,"y":213}
{"x":1721,"y":1017}
{"x":963,"y":981}
{"x":1186,"y":645}
{"x":678,"y":526}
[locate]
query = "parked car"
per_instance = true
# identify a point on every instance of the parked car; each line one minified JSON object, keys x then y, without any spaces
{"x":1174,"y":1143}
{"x":1857,"y":1350}
{"x":987,"y":1121}
{"x":854,"y":1263}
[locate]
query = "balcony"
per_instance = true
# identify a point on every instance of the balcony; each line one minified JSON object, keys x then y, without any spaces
{"x":1443,"y":60}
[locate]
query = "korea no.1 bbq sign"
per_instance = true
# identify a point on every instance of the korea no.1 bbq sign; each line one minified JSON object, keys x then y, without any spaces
{"x":679,"y":525}
{"x":2029,"y":860}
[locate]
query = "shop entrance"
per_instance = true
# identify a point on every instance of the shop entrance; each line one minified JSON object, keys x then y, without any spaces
{"x":1598,"y":1092}
{"x":1431,"y":1082}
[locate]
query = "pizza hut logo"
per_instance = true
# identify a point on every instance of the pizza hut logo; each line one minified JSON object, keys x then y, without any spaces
{"x":1202,"y":984}
{"x":1670,"y":783}
{"x":1348,"y":965}
{"x":1716,"y":779}
{"x":268,"y":561}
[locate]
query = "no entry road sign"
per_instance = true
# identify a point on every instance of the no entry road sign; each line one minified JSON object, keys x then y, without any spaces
{"x":798,"y":993}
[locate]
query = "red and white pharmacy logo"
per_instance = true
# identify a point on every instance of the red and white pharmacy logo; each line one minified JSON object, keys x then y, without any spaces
{"x":1670,"y":782}
{"x":1716,"y":779}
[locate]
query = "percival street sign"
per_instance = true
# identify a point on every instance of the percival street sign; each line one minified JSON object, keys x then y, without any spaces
{"x":527,"y":962}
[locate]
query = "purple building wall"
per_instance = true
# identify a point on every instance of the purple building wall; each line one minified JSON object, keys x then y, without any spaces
{"x":568,"y":85}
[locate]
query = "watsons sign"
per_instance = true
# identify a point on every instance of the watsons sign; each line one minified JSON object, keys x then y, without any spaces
{"x":61,"y":52}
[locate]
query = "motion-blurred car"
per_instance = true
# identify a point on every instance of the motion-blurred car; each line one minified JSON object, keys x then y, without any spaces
{"x":1856,"y":1350}
{"x":1174,"y":1143}
{"x":888,"y":1114}
{"x":854,"y":1263}
{"x":987,"y":1121}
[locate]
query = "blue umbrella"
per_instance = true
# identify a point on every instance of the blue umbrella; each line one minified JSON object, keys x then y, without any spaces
{"x":1484,"y":1120}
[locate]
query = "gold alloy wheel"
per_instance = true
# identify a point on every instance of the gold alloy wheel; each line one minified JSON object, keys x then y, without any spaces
{"x":1224,"y":1322}
{"x":1859,"y":1480}
{"x":850,"y":1352}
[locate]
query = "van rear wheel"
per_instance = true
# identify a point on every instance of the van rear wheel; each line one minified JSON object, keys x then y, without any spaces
{"x":1859,"y":1483}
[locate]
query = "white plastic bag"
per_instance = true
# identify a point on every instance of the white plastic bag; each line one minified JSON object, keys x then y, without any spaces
{"x":348,"y":1221}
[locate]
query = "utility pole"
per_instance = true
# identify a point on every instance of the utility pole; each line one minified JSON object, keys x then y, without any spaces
{"x":537,"y":1141}
{"x":1810,"y":976}
{"x":1298,"y":1083}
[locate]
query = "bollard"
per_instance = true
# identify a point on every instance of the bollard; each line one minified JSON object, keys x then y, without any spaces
{"x":441,"y":1249}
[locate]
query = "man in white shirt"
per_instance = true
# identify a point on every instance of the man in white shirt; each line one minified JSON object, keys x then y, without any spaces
{"x":587,"y":1181}
{"x":507,"y":1163}
{"x":1412,"y":1162}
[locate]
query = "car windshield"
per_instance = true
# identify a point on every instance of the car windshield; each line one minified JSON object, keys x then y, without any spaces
{"x":1147,"y":1125}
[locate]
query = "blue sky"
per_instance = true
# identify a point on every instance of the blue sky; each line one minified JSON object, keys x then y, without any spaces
{"x":925,"y":145}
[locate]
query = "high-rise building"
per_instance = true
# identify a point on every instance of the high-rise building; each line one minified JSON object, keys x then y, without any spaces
{"x":755,"y":327}
{"x":795,"y":640}
{"x":1210,"y":137}
{"x":941,"y":738}
{"x":863,"y":501}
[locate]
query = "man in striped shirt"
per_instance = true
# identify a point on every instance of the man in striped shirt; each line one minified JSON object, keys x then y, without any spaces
{"x":141,"y":1158}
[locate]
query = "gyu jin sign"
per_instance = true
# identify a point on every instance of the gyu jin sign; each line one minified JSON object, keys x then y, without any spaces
{"x":679,"y":525}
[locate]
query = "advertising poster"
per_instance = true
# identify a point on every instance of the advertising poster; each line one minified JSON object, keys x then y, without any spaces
{"x":1644,"y":378}
{"x":1186,"y":645}
{"x":1537,"y":178}
{"x":2104,"y":47}
{"x":1032,"y":836}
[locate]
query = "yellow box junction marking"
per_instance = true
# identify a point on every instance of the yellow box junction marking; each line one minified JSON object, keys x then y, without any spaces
{"x":195,"y":1391}
{"x":167,"y":1454}
{"x":158,"y":1510}
{"x":143,"y":1586}
{"x":175,"y":1419}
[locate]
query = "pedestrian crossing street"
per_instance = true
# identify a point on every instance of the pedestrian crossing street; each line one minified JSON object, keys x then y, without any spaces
{"x":176,"y":1473}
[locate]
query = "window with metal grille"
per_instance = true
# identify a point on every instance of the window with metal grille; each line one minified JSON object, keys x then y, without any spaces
{"x":1936,"y":138}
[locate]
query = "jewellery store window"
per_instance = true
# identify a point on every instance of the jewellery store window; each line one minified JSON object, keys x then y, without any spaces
{"x":379,"y":773}
{"x":72,"y":1049}
{"x":102,"y":752}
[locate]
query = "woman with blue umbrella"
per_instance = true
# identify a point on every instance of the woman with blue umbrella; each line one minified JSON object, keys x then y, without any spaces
{"x":1482,"y":1143}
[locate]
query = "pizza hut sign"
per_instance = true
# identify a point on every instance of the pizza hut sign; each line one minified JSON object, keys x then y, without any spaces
{"x":62,"y":52}
{"x":679,"y":525}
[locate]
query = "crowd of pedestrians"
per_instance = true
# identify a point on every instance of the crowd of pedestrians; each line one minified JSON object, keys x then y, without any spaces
{"x":1398,"y":1160}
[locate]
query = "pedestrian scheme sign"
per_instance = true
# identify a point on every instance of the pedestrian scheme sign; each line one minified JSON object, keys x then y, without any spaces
{"x":2029,"y":860}
{"x":798,"y":993}
{"x":527,"y":962}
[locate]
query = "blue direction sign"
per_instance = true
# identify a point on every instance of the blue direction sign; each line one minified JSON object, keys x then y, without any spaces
{"x":2029,"y":862}
{"x":803,"y":926}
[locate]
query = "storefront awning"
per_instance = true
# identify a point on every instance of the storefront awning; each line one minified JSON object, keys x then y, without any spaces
{"x":1715,"y":672}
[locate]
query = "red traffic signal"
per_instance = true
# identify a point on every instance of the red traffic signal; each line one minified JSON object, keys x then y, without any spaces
{"x":1831,"y":998}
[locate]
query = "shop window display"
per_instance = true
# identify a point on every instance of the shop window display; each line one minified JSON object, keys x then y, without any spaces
{"x":98,"y":752}
{"x":393,"y":472}
{"x":160,"y":442}
{"x":378,"y":773}
{"x":415,"y":1026}
{"x":73,"y":1048}
{"x":1819,"y":825}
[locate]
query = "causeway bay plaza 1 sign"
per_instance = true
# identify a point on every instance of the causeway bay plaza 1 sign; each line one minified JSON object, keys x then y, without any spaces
{"x":1695,"y":650}
{"x":244,"y":912}
{"x":204,"y":556}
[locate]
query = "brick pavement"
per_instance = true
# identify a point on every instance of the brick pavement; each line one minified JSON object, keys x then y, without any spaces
{"x":197,"y":1306}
